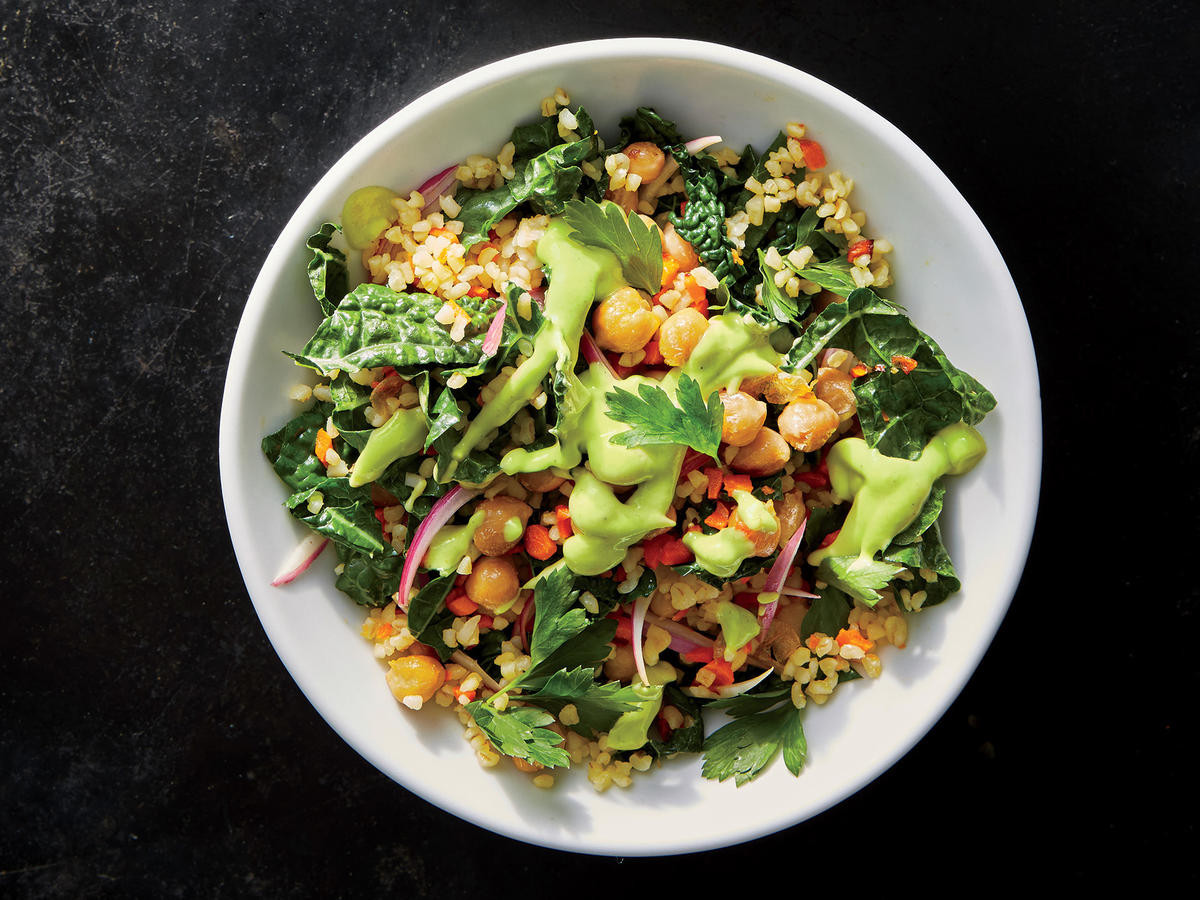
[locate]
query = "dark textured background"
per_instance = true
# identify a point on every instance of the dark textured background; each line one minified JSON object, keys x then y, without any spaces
{"x":151,"y":744}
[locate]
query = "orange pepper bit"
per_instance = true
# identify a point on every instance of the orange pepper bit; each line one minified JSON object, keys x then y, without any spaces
{"x":904,"y":363}
{"x":670,"y":270}
{"x":696,"y":295}
{"x":738,"y":483}
{"x":323,"y":445}
{"x":563,"y":516}
{"x":480,"y":292}
{"x":383,"y":631}
{"x":719,"y":518}
{"x":715,"y":476}
{"x":721,"y":671}
{"x":859,"y":370}
{"x":538,"y":543}
{"x":855,"y":637}
{"x":861,"y":248}
{"x":814,"y":154}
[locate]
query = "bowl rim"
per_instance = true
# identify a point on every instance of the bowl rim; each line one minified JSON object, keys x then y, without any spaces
{"x":676,"y":49}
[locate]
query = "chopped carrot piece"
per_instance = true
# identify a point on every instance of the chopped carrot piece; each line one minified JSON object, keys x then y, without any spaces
{"x":323,"y":445}
{"x":904,"y":363}
{"x":624,"y":628}
{"x":538,"y":543}
{"x":814,"y":154}
{"x":855,"y":637}
{"x":859,"y":370}
{"x":696,"y":294}
{"x":654,"y":355}
{"x":460,"y":604}
{"x":737,"y":483}
{"x":719,"y":517}
{"x":814,"y":641}
{"x":670,"y":270}
{"x":722,"y":672}
{"x":383,"y":631}
{"x":563,"y":515}
{"x":479,"y":291}
{"x":715,"y":477}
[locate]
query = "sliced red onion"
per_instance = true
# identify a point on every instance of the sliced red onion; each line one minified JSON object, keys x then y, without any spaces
{"x":796,"y":592}
{"x":592,"y":354}
{"x":433,"y":189}
{"x":695,"y":146}
{"x":678,"y":629}
{"x":731,"y":690}
{"x":640,"y":605}
{"x":779,"y":573}
{"x":450,"y":503}
{"x":300,"y":558}
{"x":491,"y":340}
{"x":683,"y":645}
{"x":521,"y":632}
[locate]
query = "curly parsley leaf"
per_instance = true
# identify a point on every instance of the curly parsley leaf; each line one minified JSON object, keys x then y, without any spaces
{"x":860,"y":578}
{"x":632,"y":241}
{"x":656,"y":420}
{"x":742,"y":749}
{"x":520,"y":732}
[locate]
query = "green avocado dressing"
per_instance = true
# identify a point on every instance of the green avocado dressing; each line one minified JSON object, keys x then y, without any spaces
{"x":366,"y":213}
{"x":630,"y":730}
{"x":720,"y":552}
{"x":451,"y":544}
{"x":889,"y":492}
{"x":401,"y":435}
{"x":733,"y":347}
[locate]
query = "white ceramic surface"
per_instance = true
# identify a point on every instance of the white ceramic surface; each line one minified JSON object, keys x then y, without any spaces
{"x":950,"y":276}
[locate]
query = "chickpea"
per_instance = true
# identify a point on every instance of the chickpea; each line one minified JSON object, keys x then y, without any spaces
{"x":495,"y":536}
{"x":620,"y":666}
{"x":415,"y":676}
{"x":777,"y":387}
{"x":623,"y":321}
{"x":382,"y":392}
{"x":624,"y":198}
{"x":679,"y":335}
{"x":679,"y":249}
{"x":540,"y":482}
{"x":645,"y":160}
{"x":765,"y":455}
{"x":493,"y":582}
{"x":837,"y":389}
{"x":808,"y":423}
{"x":744,"y":416}
{"x":764,"y":542}
{"x":791,"y":510}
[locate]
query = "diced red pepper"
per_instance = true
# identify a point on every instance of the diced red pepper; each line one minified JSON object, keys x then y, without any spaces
{"x":813,"y":479}
{"x":860,"y":248}
{"x":722,"y":672}
{"x":738,"y":483}
{"x":624,"y":628}
{"x":696,"y":294}
{"x":719,"y":518}
{"x":904,"y":363}
{"x":747,"y":600}
{"x":480,"y":291}
{"x":858,"y":371}
{"x":699,"y":655}
{"x":460,"y":604}
{"x":654,"y":355}
{"x":715,"y":477}
{"x":692,"y":461}
{"x":563,"y":516}
{"x":814,"y":154}
{"x":829,"y":539}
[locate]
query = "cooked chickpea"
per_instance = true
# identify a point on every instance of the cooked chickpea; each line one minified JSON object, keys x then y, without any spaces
{"x":624,"y":198}
{"x":837,"y":389}
{"x":387,"y":388}
{"x":744,"y":416}
{"x":808,"y":423}
{"x":620,"y":666}
{"x":645,"y":160}
{"x":791,"y":510}
{"x":493,"y":582}
{"x":679,"y":249}
{"x":540,"y":482}
{"x":764,"y":542}
{"x":765,"y":455}
{"x":623,"y":321}
{"x":415,"y":676}
{"x":504,"y":521}
{"x":679,"y":335}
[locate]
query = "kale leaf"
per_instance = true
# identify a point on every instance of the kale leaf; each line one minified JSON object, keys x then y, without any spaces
{"x":828,"y":614}
{"x":368,"y":580}
{"x":327,"y":272}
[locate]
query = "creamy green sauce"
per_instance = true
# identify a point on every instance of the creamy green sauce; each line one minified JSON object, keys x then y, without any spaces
{"x":738,"y":625}
{"x":887,"y":493}
{"x":513,"y":529}
{"x":734,"y":347}
{"x":720,"y":552}
{"x":630,"y":730}
{"x":756,"y":514}
{"x":451,"y":544}
{"x":366,"y":213}
{"x":401,"y":435}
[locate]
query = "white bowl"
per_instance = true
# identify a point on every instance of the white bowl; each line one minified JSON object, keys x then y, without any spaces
{"x":949,"y":274}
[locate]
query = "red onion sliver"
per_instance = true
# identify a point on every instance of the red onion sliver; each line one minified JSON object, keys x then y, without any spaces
{"x":796,"y":592}
{"x":683,"y":645}
{"x":442,"y":512}
{"x":592,"y":354}
{"x":300,"y":558}
{"x":740,"y":687}
{"x":433,"y":189}
{"x":640,"y":605}
{"x":779,"y":572}
{"x":491,"y":340}
{"x":521,"y":632}
{"x":695,"y":146}
{"x":678,"y":629}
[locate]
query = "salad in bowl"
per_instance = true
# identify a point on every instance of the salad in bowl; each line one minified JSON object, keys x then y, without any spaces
{"x":615,"y":435}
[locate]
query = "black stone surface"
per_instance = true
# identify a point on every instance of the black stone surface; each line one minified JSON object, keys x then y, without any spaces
{"x":151,"y":744}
